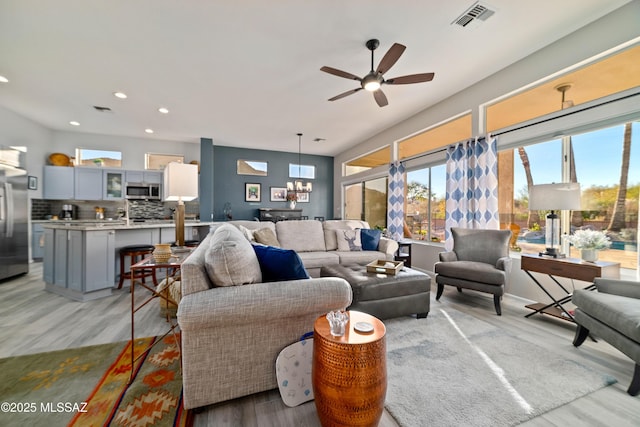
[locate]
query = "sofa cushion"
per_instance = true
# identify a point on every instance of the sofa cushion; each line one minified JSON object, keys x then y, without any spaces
{"x":370,"y":239}
{"x":348,"y":240}
{"x":617,"y":312}
{"x":301,"y":236}
{"x":266,"y":236}
{"x":318,"y":259}
{"x":472,"y":271}
{"x":359,"y":257}
{"x":230,"y":259}
{"x":279,"y":264}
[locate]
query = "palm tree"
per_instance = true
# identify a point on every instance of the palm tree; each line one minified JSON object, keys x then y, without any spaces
{"x":534,"y":217}
{"x":619,"y":209}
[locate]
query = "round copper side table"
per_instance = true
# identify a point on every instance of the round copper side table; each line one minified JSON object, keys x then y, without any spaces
{"x":349,"y":373}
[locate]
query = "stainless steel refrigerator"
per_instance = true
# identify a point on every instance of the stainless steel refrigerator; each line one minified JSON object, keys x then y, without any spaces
{"x":14,"y":233}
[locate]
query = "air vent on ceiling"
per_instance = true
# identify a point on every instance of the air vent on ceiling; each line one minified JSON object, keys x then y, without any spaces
{"x":102,"y":109}
{"x":477,"y":12}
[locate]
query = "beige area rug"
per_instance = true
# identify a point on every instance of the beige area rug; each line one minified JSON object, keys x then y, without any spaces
{"x":456,"y":370}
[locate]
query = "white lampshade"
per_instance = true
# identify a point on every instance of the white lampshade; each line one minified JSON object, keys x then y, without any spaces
{"x":180,"y":182}
{"x":556,"y":197}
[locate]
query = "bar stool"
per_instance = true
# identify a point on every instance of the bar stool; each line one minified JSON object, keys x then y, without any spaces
{"x":135,"y":253}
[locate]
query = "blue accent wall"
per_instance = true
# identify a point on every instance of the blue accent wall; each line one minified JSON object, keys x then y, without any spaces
{"x":228,"y":186}
{"x":206,"y":179}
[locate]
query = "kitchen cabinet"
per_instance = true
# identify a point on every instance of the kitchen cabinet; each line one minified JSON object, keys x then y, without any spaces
{"x":58,"y":183}
{"x":37,"y":242}
{"x":147,"y":177}
{"x":79,"y":264}
{"x":113,"y":184}
{"x":88,"y":183}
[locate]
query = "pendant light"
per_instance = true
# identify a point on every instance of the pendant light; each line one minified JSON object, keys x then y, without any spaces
{"x":297,"y":186}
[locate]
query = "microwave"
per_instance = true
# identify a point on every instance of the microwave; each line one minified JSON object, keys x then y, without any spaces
{"x":142,"y":191}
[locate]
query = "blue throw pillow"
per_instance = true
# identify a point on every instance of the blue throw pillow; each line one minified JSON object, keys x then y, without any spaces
{"x":279,"y":264}
{"x":370,"y":237}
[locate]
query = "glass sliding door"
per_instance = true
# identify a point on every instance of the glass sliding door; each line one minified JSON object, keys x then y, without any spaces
{"x":367,"y":201}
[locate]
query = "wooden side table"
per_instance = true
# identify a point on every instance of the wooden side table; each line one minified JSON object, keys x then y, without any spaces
{"x":349,"y":373}
{"x":571,"y":268}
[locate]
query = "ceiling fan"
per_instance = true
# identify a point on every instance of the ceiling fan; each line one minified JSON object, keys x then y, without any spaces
{"x":374,"y":79}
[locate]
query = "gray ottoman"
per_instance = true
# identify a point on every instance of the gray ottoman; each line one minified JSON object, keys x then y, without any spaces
{"x":385,"y":296}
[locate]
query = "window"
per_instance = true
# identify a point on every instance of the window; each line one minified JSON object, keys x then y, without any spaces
{"x":252,"y":167}
{"x":86,"y":157}
{"x":610,"y":75}
{"x":425,"y":203}
{"x":437,"y":137}
{"x":369,"y":161}
{"x":602,"y":160}
{"x":367,"y":201}
{"x":302,"y":171}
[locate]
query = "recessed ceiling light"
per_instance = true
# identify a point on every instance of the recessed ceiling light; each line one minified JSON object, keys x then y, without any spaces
{"x":3,"y":79}
{"x":148,"y":130}
{"x":74,"y":123}
{"x":163,"y":110}
{"x":120,"y":95}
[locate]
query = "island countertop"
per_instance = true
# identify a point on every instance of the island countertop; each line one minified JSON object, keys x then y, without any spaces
{"x":89,"y":225}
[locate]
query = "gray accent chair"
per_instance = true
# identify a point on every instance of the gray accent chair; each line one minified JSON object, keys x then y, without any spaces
{"x":611,"y":313}
{"x":479,"y":261}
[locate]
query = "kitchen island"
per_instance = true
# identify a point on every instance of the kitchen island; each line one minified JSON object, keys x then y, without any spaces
{"x":81,"y":258}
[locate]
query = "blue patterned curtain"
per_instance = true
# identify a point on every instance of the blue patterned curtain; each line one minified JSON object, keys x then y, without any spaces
{"x":472,"y":186}
{"x":395,"y":195}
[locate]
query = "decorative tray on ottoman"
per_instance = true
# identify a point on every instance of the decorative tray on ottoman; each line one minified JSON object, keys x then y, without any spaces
{"x":385,"y":267}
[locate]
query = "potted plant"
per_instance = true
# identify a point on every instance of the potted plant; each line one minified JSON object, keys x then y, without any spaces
{"x":589,"y":242}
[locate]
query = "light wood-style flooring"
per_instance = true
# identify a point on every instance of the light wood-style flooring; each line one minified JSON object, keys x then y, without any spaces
{"x":35,"y":321}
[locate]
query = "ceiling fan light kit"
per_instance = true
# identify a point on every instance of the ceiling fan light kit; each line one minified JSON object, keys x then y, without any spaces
{"x":374,"y":80}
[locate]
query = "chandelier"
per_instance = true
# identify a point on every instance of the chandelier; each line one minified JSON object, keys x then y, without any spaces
{"x":297,"y":186}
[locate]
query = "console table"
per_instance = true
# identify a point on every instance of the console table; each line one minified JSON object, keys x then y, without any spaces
{"x":275,"y":215}
{"x":571,"y":268}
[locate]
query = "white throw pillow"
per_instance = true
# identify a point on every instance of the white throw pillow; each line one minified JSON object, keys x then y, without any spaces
{"x":348,"y":240}
{"x":246,"y":232}
{"x":231,"y":260}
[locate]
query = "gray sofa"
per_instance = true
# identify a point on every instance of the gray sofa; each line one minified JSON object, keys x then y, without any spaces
{"x":316,"y":242}
{"x":231,"y":335}
{"x":613,"y":314}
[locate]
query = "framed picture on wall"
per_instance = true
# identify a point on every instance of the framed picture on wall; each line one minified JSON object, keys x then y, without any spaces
{"x":278,"y":194}
{"x":252,"y":192}
{"x":303,"y":197}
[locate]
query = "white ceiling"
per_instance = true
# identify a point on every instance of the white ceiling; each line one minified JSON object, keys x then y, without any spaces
{"x":247,"y":73}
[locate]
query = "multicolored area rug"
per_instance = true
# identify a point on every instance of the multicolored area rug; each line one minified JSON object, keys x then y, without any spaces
{"x":87,"y":386}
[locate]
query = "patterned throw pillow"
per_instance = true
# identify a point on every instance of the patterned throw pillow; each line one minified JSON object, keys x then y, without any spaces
{"x":348,"y":240}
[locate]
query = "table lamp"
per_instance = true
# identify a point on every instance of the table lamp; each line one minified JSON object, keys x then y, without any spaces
{"x":554,"y":197}
{"x":180,"y":184}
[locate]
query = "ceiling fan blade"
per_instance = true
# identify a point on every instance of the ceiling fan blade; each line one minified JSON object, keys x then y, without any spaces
{"x":390,"y":58}
{"x":347,"y":93}
{"x":340,"y":73}
{"x":413,"y":78}
{"x":380,"y":97}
